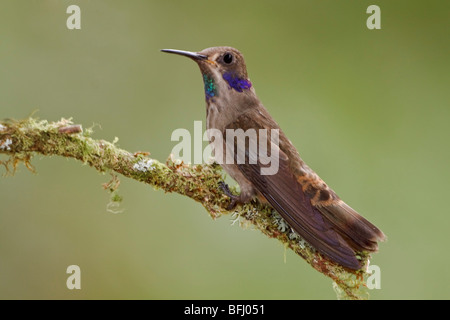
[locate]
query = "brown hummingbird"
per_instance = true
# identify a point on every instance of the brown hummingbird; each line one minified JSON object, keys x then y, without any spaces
{"x":296,"y":192}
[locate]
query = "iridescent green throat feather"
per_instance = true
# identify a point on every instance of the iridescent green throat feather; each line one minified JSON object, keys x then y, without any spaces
{"x":210,"y":87}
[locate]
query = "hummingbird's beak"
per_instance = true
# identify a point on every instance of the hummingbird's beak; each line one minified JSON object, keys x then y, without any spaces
{"x":189,"y":54}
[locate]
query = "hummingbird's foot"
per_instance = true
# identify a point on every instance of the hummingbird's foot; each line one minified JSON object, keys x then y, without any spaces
{"x":234,"y":199}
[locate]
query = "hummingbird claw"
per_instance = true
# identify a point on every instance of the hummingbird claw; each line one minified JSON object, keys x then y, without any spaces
{"x":232,"y":204}
{"x":234,"y":199}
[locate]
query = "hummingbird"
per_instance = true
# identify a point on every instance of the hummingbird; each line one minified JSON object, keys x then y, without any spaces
{"x":308,"y":205}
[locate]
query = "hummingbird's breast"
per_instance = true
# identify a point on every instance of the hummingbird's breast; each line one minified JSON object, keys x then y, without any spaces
{"x":221,"y":108}
{"x":212,"y":115}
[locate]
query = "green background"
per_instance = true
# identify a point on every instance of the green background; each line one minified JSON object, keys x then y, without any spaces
{"x":368,"y":110}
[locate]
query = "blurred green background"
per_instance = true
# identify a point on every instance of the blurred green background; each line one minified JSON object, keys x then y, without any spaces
{"x":368,"y":110}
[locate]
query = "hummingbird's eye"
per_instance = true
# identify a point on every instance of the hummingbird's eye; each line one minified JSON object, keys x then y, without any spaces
{"x":228,"y":58}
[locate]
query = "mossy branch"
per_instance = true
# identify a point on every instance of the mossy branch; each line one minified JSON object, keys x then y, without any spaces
{"x":20,"y":140}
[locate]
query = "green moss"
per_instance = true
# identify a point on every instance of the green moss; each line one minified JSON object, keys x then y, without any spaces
{"x":199,"y":182}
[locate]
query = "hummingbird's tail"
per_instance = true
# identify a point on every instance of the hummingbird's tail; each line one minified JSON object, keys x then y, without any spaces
{"x":358,"y":232}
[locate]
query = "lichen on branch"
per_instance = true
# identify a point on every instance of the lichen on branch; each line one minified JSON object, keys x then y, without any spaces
{"x":20,"y":140}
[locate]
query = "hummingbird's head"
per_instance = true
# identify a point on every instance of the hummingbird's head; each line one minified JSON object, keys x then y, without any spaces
{"x":223,"y":68}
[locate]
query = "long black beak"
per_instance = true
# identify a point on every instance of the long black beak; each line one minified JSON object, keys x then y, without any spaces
{"x":192,"y":55}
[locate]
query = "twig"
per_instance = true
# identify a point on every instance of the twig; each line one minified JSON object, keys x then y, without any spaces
{"x":20,"y":140}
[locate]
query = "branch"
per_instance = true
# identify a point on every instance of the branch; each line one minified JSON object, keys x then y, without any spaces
{"x":20,"y":140}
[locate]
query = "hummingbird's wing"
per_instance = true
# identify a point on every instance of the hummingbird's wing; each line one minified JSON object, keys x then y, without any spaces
{"x":327,"y":223}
